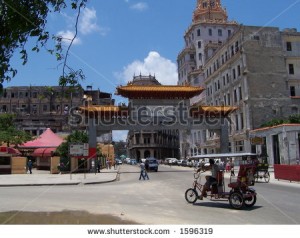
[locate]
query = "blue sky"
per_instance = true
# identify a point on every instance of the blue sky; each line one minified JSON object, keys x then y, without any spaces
{"x":120,"y":38}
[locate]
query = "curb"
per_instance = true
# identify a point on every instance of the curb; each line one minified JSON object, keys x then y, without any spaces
{"x":117,"y":178}
{"x":35,"y":184}
{"x":63,"y":183}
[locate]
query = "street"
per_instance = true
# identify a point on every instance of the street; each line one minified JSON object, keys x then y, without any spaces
{"x":159,"y":200}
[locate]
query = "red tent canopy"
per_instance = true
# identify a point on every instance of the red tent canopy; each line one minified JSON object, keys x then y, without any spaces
{"x":45,"y":140}
{"x":43,"y":152}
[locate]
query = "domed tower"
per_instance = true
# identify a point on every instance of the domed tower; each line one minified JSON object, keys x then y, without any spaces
{"x":210,"y":27}
{"x":209,"y":10}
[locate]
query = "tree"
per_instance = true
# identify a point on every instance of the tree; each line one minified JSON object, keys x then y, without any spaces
{"x":21,"y":20}
{"x":63,"y":149}
{"x":9,"y":134}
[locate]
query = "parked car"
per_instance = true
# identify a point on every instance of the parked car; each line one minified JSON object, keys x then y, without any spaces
{"x":151,"y":164}
{"x":118,"y":161}
{"x":171,"y":161}
{"x":127,"y":161}
{"x":133,"y":162}
{"x":184,"y":163}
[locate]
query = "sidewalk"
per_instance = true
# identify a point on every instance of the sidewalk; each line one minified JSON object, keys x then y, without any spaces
{"x":44,"y":178}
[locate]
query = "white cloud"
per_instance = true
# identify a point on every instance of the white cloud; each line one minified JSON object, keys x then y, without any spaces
{"x":87,"y":25}
{"x":119,"y":135}
{"x":141,"y":6}
{"x":164,"y":69}
{"x":67,"y":37}
{"x":88,"y":21}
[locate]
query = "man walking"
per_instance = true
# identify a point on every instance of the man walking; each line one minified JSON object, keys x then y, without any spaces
{"x":29,"y":165}
{"x":143,"y":173}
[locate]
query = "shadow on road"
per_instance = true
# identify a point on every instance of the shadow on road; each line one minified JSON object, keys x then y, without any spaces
{"x":222,"y":204}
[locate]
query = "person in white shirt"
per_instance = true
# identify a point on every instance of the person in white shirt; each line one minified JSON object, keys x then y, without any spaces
{"x":209,"y":178}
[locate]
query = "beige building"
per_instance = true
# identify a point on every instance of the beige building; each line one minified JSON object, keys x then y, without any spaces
{"x":256,"y":69}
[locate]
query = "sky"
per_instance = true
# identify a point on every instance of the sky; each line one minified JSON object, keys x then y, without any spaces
{"x":118,"y":39}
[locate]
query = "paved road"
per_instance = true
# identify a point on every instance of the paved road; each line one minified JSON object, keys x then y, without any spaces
{"x":157,"y":201}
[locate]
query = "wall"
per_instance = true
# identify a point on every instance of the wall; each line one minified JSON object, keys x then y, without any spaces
{"x":18,"y":165}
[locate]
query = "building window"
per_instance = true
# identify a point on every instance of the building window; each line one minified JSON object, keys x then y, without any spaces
{"x":200,"y":57}
{"x":192,"y":57}
{"x":295,"y":110}
{"x":220,"y":33}
{"x":198,"y":32}
{"x":199,"y":44}
{"x":4,"y":108}
{"x":291,"y":69}
{"x":239,"y":70}
{"x":45,"y":108}
{"x":234,"y":74}
{"x":256,"y":37}
{"x":228,"y":99}
{"x":239,"y":146}
{"x":240,"y":93}
{"x":237,"y":46}
{"x":210,"y":32}
{"x":289,"y":46}
{"x":14,"y":108}
{"x":236,"y":122}
{"x":235,"y":95}
{"x":229,"y":33}
{"x":232,"y":50}
{"x":293,"y":91}
{"x":242,"y":120}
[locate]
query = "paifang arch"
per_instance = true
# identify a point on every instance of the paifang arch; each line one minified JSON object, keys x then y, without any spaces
{"x":158,"y":107}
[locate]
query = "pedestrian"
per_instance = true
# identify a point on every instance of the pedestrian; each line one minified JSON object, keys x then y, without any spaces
{"x":29,"y":165}
{"x":98,"y":166}
{"x":231,"y":167}
{"x":143,"y":173}
{"x":107,"y":164}
{"x":228,"y":167}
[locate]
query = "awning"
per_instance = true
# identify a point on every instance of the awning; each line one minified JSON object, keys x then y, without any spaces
{"x":43,"y":152}
{"x":9,"y":150}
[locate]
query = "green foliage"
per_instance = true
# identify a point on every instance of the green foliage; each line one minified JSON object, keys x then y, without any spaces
{"x":9,"y":133}
{"x":292,"y":119}
{"x":25,"y":19}
{"x":75,"y":137}
{"x":63,"y":149}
